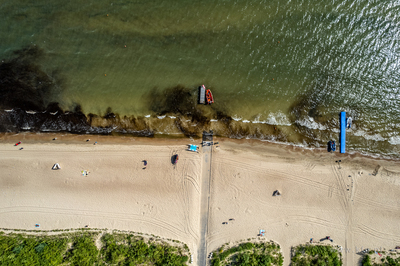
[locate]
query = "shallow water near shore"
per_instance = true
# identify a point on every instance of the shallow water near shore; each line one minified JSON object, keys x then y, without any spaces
{"x":279,"y":71}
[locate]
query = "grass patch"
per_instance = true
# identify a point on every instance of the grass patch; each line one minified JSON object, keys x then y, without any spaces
{"x":121,"y":249}
{"x":316,"y":255}
{"x":79,"y":248}
{"x":385,"y":260}
{"x":249,"y":253}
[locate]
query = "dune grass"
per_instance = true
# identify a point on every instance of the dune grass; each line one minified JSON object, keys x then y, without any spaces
{"x":79,"y":248}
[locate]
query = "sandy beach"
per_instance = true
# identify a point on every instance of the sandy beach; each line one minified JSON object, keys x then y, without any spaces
{"x":356,"y":202}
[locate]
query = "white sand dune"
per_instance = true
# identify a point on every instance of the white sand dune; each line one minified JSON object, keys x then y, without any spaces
{"x":349,"y":204}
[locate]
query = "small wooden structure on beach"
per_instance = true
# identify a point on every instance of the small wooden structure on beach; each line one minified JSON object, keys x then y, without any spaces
{"x":207,"y":138}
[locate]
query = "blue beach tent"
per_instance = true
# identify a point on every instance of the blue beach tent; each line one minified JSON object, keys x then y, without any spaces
{"x":192,"y":148}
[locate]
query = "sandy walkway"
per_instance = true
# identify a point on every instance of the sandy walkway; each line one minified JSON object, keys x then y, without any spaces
{"x":350,"y":204}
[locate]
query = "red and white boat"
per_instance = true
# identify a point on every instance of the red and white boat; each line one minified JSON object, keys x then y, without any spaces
{"x":209,"y":97}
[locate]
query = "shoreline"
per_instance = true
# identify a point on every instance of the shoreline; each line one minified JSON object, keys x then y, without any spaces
{"x":161,"y":139}
{"x":355,"y":202}
{"x":190,"y":122}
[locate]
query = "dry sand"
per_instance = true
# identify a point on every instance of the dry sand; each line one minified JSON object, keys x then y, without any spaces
{"x":351,"y":205}
{"x":356,"y":204}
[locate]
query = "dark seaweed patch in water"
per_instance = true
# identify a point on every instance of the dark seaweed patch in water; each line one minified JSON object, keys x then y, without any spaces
{"x":174,"y":100}
{"x":25,"y":87}
{"x":109,"y":114}
{"x":18,"y":120}
{"x":180,"y":101}
{"x":226,"y":119}
{"x":23,"y":84}
{"x":27,"y":90}
{"x":321,"y":102}
{"x":112,"y":123}
{"x":324,"y":100}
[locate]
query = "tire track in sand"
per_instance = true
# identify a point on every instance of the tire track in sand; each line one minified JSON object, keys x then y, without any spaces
{"x":186,"y":201}
{"x":98,"y":214}
{"x":347,"y":203}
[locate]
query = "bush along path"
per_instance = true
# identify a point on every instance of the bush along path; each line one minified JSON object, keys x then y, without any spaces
{"x":373,"y":259}
{"x":316,"y":255}
{"x":80,"y":248}
{"x":248,"y":253}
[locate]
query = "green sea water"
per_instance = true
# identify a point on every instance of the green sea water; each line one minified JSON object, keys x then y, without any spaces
{"x":290,"y":64}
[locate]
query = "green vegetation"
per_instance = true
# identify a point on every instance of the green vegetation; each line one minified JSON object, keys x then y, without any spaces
{"x":309,"y":255}
{"x":80,"y":249}
{"x":16,"y":249}
{"x":366,"y":261}
{"x":84,"y":251}
{"x":251,"y":254}
{"x":387,"y":261}
{"x":124,"y":249}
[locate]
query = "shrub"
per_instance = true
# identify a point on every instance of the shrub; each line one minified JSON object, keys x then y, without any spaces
{"x":84,"y":252}
{"x":16,"y":249}
{"x":366,"y":261}
{"x":316,"y":255}
{"x":250,"y":254}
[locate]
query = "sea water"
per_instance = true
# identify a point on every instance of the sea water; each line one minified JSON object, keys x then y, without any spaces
{"x":278,"y":70}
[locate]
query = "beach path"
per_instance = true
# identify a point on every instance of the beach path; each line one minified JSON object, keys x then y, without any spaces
{"x":204,"y":205}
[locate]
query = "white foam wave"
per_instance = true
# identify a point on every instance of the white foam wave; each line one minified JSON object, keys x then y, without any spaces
{"x":213,"y":120}
{"x":161,"y":117}
{"x":246,"y":121}
{"x":278,"y":118}
{"x":376,"y":137}
{"x":147,"y":116}
{"x":310,"y":123}
{"x":9,"y":110}
{"x":30,"y":112}
{"x":236,"y":118}
{"x":172,"y":117}
{"x":257,"y":120}
{"x":394,"y":140}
